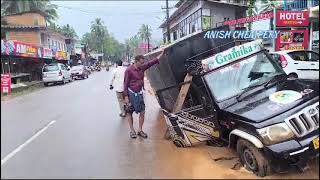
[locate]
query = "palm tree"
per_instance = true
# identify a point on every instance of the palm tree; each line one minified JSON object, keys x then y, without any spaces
{"x":50,"y":11}
{"x":18,"y":6}
{"x":98,"y":28}
{"x":261,"y":6}
{"x":145,"y":32}
{"x":68,"y":31}
{"x":99,"y":33}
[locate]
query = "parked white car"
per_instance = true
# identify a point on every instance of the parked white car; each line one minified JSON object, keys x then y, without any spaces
{"x":301,"y":64}
{"x":56,"y":73}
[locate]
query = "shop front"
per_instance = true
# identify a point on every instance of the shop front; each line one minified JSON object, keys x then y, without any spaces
{"x":21,"y":60}
{"x":61,"y":57}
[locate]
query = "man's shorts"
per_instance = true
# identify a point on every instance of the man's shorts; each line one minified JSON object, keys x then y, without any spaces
{"x":136,"y":102}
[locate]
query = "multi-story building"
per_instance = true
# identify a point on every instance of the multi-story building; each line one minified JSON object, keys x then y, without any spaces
{"x":31,"y":27}
{"x":195,"y":16}
{"x":313,"y":7}
{"x":28,"y":44}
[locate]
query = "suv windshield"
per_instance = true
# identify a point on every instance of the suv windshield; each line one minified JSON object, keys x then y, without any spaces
{"x":49,"y":68}
{"x":234,"y":78}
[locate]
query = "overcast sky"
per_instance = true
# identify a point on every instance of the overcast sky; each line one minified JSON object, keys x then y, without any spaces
{"x":122,"y":18}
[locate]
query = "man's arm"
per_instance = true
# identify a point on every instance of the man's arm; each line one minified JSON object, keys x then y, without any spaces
{"x":148,"y":64}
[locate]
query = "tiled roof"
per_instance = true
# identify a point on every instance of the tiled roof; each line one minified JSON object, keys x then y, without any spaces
{"x":22,"y":27}
{"x":26,"y":12}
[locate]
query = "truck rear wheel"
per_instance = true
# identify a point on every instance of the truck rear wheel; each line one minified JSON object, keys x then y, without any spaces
{"x":253,"y":159}
{"x":178,"y":141}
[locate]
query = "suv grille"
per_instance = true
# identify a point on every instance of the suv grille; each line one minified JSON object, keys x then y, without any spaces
{"x":305,"y":121}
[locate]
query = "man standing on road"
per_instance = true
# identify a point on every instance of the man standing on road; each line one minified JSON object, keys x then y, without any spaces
{"x":117,"y":83}
{"x":133,"y":91}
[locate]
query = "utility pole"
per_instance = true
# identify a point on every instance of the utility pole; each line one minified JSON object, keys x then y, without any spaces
{"x":148,"y":39}
{"x":168,"y":24}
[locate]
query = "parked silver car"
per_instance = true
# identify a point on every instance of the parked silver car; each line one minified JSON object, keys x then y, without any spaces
{"x":56,"y":73}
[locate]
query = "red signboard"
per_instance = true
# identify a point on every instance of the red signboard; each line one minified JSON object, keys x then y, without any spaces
{"x":145,"y":46}
{"x":249,"y":19}
{"x":26,"y":50}
{"x":6,"y":83}
{"x":292,"y":18}
{"x":61,"y":55}
{"x":47,"y":53}
{"x":292,"y":40}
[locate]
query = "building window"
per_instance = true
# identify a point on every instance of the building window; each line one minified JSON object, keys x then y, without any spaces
{"x":175,"y":35}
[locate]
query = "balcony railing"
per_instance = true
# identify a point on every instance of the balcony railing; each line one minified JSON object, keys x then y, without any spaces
{"x":299,"y":4}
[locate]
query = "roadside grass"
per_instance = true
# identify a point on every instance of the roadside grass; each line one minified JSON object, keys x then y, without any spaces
{"x":22,"y":91}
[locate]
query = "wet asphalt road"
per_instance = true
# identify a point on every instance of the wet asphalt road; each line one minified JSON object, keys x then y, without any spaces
{"x":74,"y":131}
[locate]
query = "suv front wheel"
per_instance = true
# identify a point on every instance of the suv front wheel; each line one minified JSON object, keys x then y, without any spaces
{"x":253,"y":159}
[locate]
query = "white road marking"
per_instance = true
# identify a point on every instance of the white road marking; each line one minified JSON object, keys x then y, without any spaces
{"x":9,"y":156}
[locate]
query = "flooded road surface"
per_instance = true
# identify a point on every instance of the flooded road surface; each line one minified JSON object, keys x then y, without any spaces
{"x":74,"y":131}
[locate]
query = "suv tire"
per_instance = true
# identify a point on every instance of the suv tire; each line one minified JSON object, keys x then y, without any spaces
{"x":178,"y":141}
{"x":253,"y":159}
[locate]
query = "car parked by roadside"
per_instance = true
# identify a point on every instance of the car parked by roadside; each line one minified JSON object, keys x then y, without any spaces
{"x":56,"y":73}
{"x":79,"y":71}
{"x":88,"y":69}
{"x":301,"y":64}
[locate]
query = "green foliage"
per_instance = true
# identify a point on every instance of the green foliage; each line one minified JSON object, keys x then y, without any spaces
{"x":99,"y":40}
{"x":144,"y":32}
{"x":66,"y":30}
{"x":250,"y":11}
{"x":131,"y":45}
{"x":9,"y":7}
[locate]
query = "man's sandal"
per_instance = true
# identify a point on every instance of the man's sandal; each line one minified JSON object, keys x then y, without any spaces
{"x":133,"y":135}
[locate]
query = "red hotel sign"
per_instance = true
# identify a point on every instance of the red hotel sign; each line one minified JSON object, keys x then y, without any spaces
{"x":259,"y":17}
{"x":292,"y":18}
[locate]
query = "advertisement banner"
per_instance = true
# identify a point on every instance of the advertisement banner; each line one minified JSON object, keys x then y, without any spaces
{"x":232,"y":55}
{"x":47,"y":53}
{"x":7,"y":47}
{"x":249,"y":19}
{"x":292,"y":40}
{"x":292,"y":18}
{"x":26,"y":50}
{"x":61,"y":55}
{"x":6,"y":83}
{"x":145,"y":46}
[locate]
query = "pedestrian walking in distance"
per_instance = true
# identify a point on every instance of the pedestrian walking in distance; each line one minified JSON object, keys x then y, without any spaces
{"x":133,"y":91}
{"x":117,"y":82}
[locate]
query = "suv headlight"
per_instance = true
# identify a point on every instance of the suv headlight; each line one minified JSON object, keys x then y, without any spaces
{"x":276,"y":133}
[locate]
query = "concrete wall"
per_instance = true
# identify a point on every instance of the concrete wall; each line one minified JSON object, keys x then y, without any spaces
{"x":219,"y":12}
{"x":31,"y":37}
{"x":27,"y":19}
